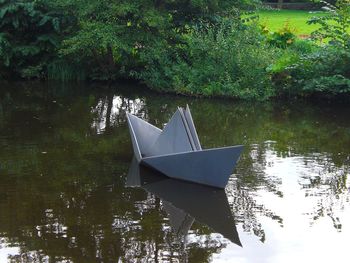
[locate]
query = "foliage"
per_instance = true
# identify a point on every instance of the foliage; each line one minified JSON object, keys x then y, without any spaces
{"x":282,"y":38}
{"x":224,"y":60}
{"x":290,"y":56}
{"x":287,"y":58}
{"x":322,"y":70}
{"x":111,"y":34}
{"x":325,"y":71}
{"x":202,"y":48}
{"x":64,"y":71}
{"x":106,"y":36}
{"x":335,"y":26}
{"x":29,"y":36}
{"x":101,"y":38}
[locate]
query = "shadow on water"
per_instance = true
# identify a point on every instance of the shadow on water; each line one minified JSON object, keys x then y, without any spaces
{"x":64,"y":159}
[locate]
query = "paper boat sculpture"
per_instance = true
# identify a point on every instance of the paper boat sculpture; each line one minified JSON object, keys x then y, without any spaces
{"x":185,"y":202}
{"x":176,"y":151}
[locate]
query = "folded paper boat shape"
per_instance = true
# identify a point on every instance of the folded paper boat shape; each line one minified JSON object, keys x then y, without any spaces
{"x":176,"y":151}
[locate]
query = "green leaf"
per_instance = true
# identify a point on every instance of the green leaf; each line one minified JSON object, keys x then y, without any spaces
{"x":3,"y":12}
{"x":56,"y":24}
{"x":44,"y":20}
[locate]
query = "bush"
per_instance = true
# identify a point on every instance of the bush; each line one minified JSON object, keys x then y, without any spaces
{"x":319,"y":70}
{"x":325,"y":71}
{"x":29,"y":36}
{"x":335,"y":26}
{"x":283,"y":38}
{"x":221,"y":60}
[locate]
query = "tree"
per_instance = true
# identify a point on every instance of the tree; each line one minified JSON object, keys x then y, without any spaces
{"x":111,"y":34}
{"x":335,"y":25}
{"x":65,"y":38}
{"x":29,"y":35}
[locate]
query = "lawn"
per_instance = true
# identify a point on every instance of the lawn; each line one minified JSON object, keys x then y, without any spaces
{"x":295,"y":19}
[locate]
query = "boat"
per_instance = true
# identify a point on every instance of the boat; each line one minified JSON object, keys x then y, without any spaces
{"x":177,"y":153}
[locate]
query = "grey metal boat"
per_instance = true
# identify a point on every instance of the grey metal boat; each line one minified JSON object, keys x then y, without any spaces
{"x":177,"y":153}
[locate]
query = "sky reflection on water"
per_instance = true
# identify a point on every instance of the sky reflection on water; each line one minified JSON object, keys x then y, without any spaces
{"x":315,"y":219}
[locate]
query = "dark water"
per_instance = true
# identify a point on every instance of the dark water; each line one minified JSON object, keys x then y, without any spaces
{"x":65,"y":155}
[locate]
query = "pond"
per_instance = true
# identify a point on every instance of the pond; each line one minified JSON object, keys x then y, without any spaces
{"x":66,"y":194}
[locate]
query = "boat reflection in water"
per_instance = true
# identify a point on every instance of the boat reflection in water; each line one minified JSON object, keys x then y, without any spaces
{"x":185,"y":202}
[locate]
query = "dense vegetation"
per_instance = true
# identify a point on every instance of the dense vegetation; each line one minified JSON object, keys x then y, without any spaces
{"x":209,"y":48}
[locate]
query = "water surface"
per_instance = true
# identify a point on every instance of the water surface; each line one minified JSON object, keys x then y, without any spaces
{"x":68,"y":191}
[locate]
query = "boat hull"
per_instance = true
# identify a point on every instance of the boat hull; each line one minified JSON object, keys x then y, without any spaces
{"x":211,"y":167}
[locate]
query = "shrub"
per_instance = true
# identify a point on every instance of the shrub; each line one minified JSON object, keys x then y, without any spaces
{"x":322,"y":70}
{"x":325,"y":71}
{"x":335,"y":26}
{"x":221,"y":60}
{"x":282,"y":38}
{"x":29,"y":36}
{"x":62,"y":70}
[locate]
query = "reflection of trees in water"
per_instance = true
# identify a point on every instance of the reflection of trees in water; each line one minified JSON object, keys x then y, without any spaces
{"x":53,"y":204}
{"x":60,"y":151}
{"x":97,"y":225}
{"x":110,"y":111}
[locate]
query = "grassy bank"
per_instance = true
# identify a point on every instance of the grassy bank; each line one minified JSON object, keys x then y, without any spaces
{"x":296,"y":20}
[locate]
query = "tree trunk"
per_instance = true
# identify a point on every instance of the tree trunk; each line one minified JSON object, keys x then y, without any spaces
{"x":110,"y":61}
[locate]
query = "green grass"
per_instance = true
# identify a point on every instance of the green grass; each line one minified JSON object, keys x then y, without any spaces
{"x":295,"y":19}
